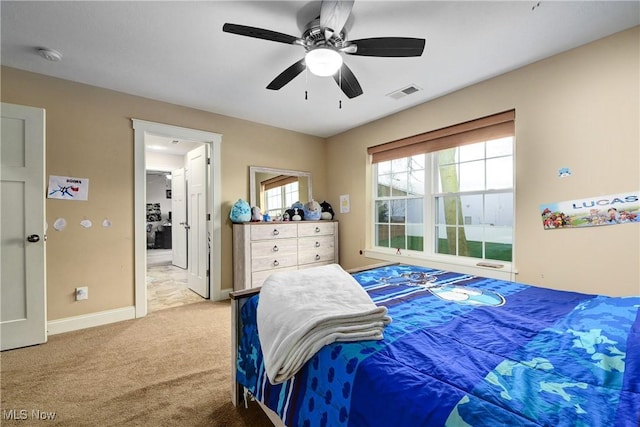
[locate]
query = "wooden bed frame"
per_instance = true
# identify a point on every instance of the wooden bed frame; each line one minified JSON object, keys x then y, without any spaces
{"x":238,"y":299}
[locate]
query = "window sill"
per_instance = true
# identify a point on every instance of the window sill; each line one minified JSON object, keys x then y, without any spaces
{"x":497,"y":270}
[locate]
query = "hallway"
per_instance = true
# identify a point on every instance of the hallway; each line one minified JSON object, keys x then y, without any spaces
{"x":166,"y":284}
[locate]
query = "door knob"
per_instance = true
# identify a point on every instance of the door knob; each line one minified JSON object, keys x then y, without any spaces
{"x":33,"y":238}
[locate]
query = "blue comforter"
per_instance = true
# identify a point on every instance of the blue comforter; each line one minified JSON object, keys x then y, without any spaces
{"x":465,"y":351}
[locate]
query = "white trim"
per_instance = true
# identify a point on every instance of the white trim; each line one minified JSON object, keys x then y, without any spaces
{"x":505,"y":273}
{"x":75,"y":323}
{"x":141,"y":129}
{"x":215,"y":207}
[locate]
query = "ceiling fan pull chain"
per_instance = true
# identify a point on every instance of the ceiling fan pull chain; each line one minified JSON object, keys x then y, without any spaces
{"x":306,"y":82}
{"x":340,"y":91}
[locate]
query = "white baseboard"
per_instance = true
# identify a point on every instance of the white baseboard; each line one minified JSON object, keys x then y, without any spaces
{"x":223,"y":295}
{"x":75,"y":323}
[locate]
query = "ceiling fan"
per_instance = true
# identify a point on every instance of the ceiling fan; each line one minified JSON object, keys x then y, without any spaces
{"x":324,"y":40}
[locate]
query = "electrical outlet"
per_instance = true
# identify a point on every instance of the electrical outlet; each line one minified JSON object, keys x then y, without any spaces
{"x":82,"y":293}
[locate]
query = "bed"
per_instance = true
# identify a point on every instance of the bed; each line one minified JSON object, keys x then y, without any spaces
{"x":461,"y":350}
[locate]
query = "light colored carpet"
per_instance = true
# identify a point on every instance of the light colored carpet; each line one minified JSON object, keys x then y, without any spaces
{"x":170,"y":368}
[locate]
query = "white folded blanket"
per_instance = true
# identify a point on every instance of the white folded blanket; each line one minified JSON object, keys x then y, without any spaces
{"x":301,"y":311}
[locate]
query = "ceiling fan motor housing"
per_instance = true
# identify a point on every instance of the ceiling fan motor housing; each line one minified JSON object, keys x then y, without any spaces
{"x":314,"y":37}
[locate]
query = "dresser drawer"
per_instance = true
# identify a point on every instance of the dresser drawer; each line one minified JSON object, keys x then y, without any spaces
{"x":315,"y":229}
{"x":310,"y":244}
{"x":273,"y":231}
{"x":273,"y":262}
{"x":271,"y":248}
{"x":310,"y":253}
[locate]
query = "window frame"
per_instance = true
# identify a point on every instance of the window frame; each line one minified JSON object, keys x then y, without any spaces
{"x":429,"y":256}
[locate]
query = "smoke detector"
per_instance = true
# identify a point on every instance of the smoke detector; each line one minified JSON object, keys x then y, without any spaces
{"x":50,"y":54}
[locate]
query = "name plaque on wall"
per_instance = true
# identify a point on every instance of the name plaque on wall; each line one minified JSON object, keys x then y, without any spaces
{"x":595,"y":211}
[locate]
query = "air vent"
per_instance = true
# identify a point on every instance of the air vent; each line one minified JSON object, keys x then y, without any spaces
{"x":404,"y":92}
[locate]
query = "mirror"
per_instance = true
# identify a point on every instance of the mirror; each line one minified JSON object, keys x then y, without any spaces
{"x":275,"y":190}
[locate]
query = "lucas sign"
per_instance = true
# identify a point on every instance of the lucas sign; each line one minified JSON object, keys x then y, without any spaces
{"x":602,"y":210}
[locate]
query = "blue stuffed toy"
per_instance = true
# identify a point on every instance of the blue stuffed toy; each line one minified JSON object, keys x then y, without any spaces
{"x":240,"y":212}
{"x":312,"y":211}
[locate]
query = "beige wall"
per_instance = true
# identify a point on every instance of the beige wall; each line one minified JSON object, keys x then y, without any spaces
{"x":579,"y":110}
{"x":89,"y":134}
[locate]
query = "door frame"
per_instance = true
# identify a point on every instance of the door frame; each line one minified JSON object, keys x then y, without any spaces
{"x":178,"y":233}
{"x":141,"y":129}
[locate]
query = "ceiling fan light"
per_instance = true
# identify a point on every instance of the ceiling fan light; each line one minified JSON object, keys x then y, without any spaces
{"x":323,"y":61}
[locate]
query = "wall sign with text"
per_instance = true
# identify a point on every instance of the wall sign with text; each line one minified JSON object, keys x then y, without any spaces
{"x":601,"y":210}
{"x":68,"y":188}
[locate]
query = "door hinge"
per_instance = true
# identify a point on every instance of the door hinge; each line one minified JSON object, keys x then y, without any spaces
{"x":208,"y":160}
{"x":208,"y":217}
{"x":208,"y":272}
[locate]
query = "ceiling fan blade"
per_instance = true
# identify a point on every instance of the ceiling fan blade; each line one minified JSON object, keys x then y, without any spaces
{"x":334,"y":14}
{"x":259,"y":33}
{"x":388,"y":47}
{"x":348,"y":82}
{"x":287,"y":75}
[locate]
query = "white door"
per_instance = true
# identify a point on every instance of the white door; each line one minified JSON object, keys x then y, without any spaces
{"x":178,"y":218}
{"x":23,"y":313}
{"x":197,"y":232}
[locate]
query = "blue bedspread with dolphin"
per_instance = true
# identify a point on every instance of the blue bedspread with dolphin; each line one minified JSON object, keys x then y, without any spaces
{"x":464,"y":350}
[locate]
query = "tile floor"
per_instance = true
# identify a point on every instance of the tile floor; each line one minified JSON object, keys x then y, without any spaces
{"x":166,"y":284}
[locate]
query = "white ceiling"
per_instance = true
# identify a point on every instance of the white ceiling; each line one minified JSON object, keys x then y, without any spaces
{"x":172,"y":146}
{"x":175,"y":51}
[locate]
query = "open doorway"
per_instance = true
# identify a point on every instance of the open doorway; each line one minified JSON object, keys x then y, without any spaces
{"x":167,"y":275}
{"x":205,"y":231}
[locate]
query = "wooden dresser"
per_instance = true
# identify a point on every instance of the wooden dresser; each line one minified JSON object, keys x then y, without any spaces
{"x":261,"y":248}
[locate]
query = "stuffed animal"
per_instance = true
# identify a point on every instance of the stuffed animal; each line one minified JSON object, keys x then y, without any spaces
{"x":240,"y":212}
{"x":295,"y":214}
{"x":256,"y":214}
{"x":326,"y":211}
{"x":312,"y":211}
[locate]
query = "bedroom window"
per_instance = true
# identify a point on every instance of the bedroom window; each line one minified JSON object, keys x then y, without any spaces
{"x":448,"y":192}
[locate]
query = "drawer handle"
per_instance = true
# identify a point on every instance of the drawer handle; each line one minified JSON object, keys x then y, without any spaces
{"x":317,"y":244}
{"x":276,"y":232}
{"x":317,"y":229}
{"x":317,"y":257}
{"x":275,"y":248}
{"x":275,"y":263}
